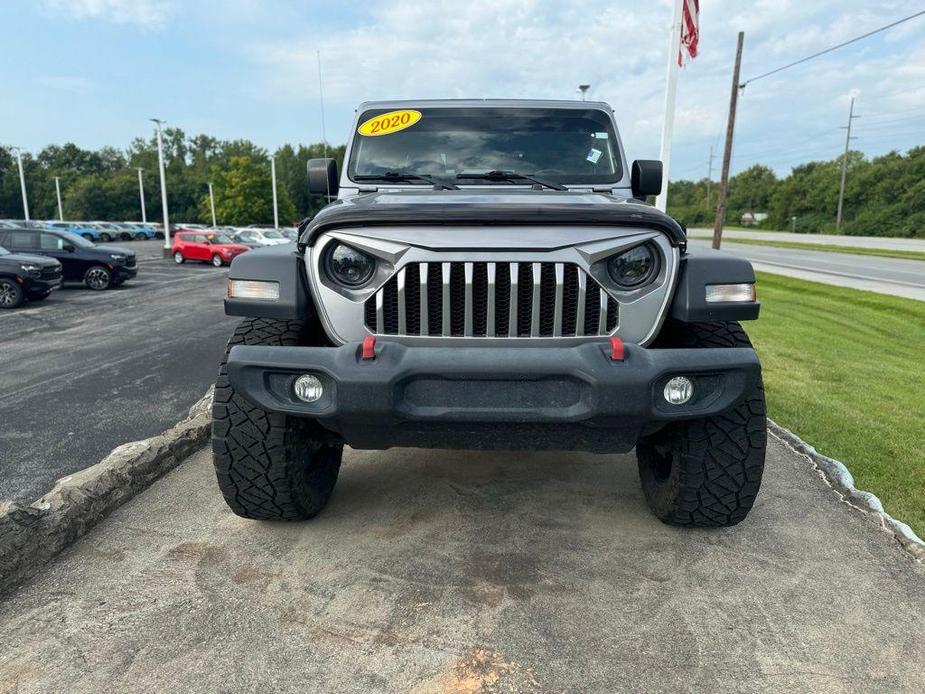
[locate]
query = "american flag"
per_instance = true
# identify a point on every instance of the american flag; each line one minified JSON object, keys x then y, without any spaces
{"x":690,"y":30}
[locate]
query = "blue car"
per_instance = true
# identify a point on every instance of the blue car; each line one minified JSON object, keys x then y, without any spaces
{"x":88,"y":232}
{"x":138,"y":232}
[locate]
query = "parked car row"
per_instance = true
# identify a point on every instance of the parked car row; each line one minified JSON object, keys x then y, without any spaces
{"x":220,"y":245}
{"x":93,"y":231}
{"x":34,"y":262}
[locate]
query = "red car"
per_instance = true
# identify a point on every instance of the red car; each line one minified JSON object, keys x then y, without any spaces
{"x":207,"y":246}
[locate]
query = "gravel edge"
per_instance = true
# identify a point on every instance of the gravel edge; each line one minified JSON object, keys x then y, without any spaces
{"x":840,"y":479}
{"x":31,"y":535}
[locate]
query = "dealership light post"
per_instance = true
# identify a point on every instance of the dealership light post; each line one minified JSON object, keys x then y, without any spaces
{"x":58,"y":192}
{"x":22,"y":184}
{"x":583,"y":90}
{"x":160,"y":162}
{"x":275,"y":206}
{"x":141,"y":196}
{"x":212,"y":204}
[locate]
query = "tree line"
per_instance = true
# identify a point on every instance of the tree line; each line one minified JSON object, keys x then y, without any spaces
{"x":103,"y":184}
{"x":884,"y":196}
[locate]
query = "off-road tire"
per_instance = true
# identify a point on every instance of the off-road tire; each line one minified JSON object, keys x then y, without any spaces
{"x":269,"y":466}
{"x":706,"y":472}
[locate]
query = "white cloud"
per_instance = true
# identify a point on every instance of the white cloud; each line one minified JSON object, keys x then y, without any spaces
{"x":74,"y":85}
{"x":152,"y":13}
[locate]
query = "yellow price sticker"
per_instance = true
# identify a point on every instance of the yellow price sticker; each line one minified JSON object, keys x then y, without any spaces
{"x":389,"y":123}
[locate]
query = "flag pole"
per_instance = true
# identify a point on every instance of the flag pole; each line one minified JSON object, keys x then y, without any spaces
{"x":671,"y":84}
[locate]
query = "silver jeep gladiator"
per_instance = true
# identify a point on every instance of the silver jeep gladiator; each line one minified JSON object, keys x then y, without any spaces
{"x":489,"y":275}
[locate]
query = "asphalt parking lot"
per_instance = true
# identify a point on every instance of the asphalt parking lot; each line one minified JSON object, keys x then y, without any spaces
{"x":437,"y":571}
{"x":85,"y":371}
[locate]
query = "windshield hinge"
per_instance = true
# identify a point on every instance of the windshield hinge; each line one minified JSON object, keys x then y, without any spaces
{"x":367,"y":189}
{"x":605,"y":189}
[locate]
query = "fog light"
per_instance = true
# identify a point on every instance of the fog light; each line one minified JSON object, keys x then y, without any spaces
{"x":308,"y":388}
{"x":678,"y":390}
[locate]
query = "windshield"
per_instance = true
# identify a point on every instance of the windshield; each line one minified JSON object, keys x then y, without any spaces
{"x":3,"y":251}
{"x":220,"y":238}
{"x":271,"y":234}
{"x":572,"y":145}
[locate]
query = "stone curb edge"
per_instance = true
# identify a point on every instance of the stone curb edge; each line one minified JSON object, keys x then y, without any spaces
{"x":836,"y":475}
{"x":32,"y":534}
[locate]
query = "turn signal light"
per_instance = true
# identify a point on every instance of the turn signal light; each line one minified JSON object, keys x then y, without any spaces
{"x":253,"y":289}
{"x":719,"y":293}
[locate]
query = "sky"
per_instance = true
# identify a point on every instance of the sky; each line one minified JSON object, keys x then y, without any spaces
{"x":93,"y":71}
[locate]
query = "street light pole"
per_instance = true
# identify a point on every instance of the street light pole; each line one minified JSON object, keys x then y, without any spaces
{"x":22,"y":184}
{"x":583,"y":90}
{"x":141,"y":196}
{"x":275,"y":206}
{"x":160,"y":161}
{"x":212,"y":203}
{"x":58,"y":191}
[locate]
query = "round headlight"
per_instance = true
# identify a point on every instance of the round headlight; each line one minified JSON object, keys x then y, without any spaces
{"x":350,"y":267}
{"x":635,"y":267}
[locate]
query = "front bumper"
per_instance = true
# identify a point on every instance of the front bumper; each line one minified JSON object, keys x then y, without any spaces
{"x":34,"y":286}
{"x":565,"y":398}
{"x":123,"y":272}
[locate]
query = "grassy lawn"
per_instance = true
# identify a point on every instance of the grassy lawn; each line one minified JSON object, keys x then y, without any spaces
{"x":854,"y":250}
{"x":845,"y":371}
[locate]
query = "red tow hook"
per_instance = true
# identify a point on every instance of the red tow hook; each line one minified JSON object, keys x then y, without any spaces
{"x":616,"y":349}
{"x":369,"y":347}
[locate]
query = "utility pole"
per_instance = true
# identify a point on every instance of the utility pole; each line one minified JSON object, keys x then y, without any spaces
{"x":671,"y":87}
{"x":58,"y":191}
{"x":709,"y":175}
{"x":583,"y":90}
{"x":727,"y":152}
{"x":22,"y":184}
{"x":141,"y":196}
{"x":212,"y":203}
{"x":160,"y":162}
{"x":844,"y":166}
{"x":275,"y":206}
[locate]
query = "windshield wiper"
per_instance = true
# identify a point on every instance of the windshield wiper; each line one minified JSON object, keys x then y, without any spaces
{"x":396,"y":176}
{"x":510,"y":176}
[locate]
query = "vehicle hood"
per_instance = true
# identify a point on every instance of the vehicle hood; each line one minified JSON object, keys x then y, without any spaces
{"x":106,"y":251}
{"x":23,"y":258}
{"x":489,"y":207}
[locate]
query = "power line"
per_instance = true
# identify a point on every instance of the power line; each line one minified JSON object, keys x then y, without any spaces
{"x":832,"y":48}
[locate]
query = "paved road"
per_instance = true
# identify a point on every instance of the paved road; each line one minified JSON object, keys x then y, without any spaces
{"x":85,"y":371}
{"x":827,"y":239}
{"x":434,"y":571}
{"x":885,"y":275}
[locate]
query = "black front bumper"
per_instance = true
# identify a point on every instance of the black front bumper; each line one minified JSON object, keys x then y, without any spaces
{"x":562,"y":398}
{"x":34,"y":286}
{"x":123,"y":272}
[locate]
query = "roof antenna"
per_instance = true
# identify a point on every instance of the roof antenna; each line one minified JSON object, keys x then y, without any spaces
{"x":324,"y":137}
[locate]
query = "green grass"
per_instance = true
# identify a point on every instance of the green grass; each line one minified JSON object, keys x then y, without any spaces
{"x":854,"y":250}
{"x":845,"y":371}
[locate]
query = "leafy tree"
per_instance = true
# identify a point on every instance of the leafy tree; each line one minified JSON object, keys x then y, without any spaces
{"x":243,"y":195}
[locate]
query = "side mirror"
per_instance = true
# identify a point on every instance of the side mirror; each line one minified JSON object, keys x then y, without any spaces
{"x":646,"y":178}
{"x":322,"y":177}
{"x":69,"y":248}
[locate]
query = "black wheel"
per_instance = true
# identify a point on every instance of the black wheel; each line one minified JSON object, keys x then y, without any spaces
{"x":11,"y":294}
{"x":105,"y":238}
{"x":217,"y":260}
{"x":125,"y":236}
{"x":140,"y":237}
{"x":270,"y":466}
{"x":98,"y":278}
{"x":89,"y":237}
{"x":706,"y":472}
{"x":159,"y":234}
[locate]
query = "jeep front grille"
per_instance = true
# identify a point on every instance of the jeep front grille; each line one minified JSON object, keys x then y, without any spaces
{"x":498,"y":299}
